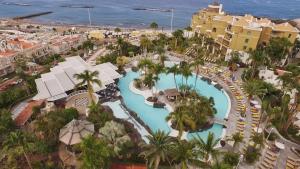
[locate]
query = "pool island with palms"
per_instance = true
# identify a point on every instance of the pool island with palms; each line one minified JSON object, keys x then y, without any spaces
{"x":155,"y":118}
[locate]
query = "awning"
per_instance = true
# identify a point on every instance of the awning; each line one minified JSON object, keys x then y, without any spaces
{"x":257,"y":106}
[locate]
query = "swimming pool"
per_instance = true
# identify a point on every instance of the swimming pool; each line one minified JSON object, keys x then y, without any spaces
{"x":155,"y":117}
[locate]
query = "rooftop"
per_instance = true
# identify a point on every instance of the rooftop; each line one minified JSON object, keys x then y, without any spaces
{"x":54,"y":84}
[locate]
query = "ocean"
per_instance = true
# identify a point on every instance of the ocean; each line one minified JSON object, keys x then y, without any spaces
{"x":124,"y":13}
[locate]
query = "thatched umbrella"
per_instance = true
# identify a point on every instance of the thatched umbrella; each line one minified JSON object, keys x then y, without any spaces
{"x":75,"y":131}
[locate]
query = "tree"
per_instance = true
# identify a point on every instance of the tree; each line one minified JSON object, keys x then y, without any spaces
{"x":186,"y":73}
{"x":145,"y":44}
{"x":20,"y":144}
{"x":198,"y":61}
{"x":121,"y":62}
{"x":188,"y":29}
{"x":88,"y":78}
{"x":258,"y":139}
{"x":184,"y":154}
{"x":278,"y":48}
{"x":6,"y":124}
{"x":154,"y":26}
{"x":118,"y":30}
{"x":251,"y":154}
{"x":234,"y":60}
{"x":158,"y":148}
{"x":257,"y":58}
{"x":255,"y":88}
{"x":206,"y":149}
{"x":180,"y":118}
{"x":95,"y":153}
{"x":178,"y":34}
{"x":115,"y":135}
{"x":237,"y":138}
{"x":98,"y":116}
{"x":145,"y":64}
{"x":87,"y":45}
{"x":231,"y":158}
{"x":174,"y":70}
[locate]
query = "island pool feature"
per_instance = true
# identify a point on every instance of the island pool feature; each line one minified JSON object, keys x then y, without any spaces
{"x":155,"y":117}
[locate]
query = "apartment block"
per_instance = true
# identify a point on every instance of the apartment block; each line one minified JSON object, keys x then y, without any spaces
{"x":239,"y":33}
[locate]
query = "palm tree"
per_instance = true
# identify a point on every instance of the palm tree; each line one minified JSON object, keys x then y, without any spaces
{"x":186,"y":73}
{"x":150,"y":81}
{"x":120,"y":43}
{"x":196,"y":64}
{"x":258,"y":139}
{"x":118,"y":30}
{"x":237,"y":138}
{"x":188,"y":29}
{"x":178,"y":34}
{"x":184,"y":153}
{"x":88,"y":78}
{"x":145,"y":43}
{"x":206,"y":149}
{"x":254,"y":88}
{"x":257,"y":58}
{"x":154,"y":26}
{"x":181,"y":118}
{"x":145,"y":64}
{"x":174,"y":70}
{"x":157,"y":149}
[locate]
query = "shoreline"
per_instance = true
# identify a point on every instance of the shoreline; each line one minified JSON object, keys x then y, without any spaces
{"x":95,"y":26}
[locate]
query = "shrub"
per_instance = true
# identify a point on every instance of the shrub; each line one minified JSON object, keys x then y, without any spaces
{"x":231,"y":158}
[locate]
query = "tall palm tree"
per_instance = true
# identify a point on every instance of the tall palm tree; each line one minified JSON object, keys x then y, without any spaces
{"x":150,"y":81}
{"x":157,"y":149}
{"x":186,"y":73}
{"x":178,"y":34}
{"x":257,"y":58}
{"x":88,"y":78}
{"x":184,"y":153}
{"x":254,"y":88}
{"x":181,"y":118}
{"x":145,"y":64}
{"x":174,"y":70}
{"x":154,"y":26}
{"x":145,"y":43}
{"x":206,"y":149}
{"x":198,"y":61}
{"x":120,"y":43}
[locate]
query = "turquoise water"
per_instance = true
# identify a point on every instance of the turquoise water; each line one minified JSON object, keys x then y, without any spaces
{"x":155,"y":118}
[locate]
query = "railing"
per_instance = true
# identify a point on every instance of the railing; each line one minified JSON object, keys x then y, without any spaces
{"x":219,"y":121}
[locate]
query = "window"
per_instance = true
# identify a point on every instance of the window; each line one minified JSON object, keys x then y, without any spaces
{"x":246,"y":40}
{"x":214,"y":29}
{"x":290,"y":35}
{"x":245,"y":47}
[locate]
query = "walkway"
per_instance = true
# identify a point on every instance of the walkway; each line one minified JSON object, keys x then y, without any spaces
{"x":120,"y":112}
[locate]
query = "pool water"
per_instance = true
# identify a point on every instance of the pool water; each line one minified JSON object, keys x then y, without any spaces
{"x":155,"y":117}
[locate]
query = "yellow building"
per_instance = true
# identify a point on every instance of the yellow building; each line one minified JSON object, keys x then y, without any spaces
{"x":241,"y":33}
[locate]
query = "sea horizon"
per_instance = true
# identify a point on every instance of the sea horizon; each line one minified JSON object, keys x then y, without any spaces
{"x":140,"y":13}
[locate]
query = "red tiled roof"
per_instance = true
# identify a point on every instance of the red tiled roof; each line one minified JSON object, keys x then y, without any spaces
{"x":22,"y":118}
{"x":128,"y":166}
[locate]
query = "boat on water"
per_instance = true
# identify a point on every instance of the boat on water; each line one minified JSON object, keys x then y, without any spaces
{"x":16,"y":4}
{"x":77,"y":6}
{"x":152,"y":9}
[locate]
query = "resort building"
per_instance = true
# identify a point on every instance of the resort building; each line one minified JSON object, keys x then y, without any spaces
{"x":239,"y":33}
{"x":60,"y":82}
